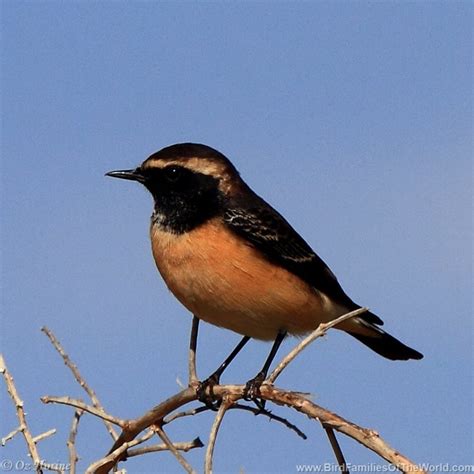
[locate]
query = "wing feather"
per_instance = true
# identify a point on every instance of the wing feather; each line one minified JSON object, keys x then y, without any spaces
{"x":268,"y":231}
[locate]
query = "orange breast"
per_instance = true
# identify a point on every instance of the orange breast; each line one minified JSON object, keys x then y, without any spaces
{"x":226,"y":282}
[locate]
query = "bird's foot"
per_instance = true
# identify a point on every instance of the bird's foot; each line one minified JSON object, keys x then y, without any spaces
{"x":252,"y":390}
{"x":205,"y":392}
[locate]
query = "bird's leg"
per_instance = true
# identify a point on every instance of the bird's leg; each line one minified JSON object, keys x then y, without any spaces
{"x":252,"y":387}
{"x":214,"y":378}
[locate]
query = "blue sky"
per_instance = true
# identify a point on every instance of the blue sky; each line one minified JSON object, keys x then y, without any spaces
{"x":352,"y":119}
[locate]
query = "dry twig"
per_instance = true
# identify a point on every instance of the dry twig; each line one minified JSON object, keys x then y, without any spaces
{"x":166,"y":412}
{"x":108,"y":462}
{"x":79,"y":404}
{"x":271,"y":416}
{"x":71,"y":441}
{"x":20,"y":412}
{"x":368,"y":438}
{"x":182,"y":414}
{"x":226,"y":403}
{"x":44,"y":435}
{"x":79,"y":378}
{"x":155,"y":448}
{"x":320,"y":331}
{"x":169,"y":444}
{"x":10,"y":435}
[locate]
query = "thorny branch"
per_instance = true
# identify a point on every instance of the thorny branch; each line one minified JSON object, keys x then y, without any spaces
{"x":238,"y":406}
{"x":152,"y":421}
{"x":154,"y":448}
{"x":79,"y":378}
{"x":169,"y":444}
{"x":23,"y":428}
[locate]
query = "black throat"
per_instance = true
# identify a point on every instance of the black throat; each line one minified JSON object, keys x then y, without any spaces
{"x":182,"y":212}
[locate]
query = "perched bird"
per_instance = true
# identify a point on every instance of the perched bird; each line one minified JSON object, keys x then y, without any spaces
{"x":235,"y":262}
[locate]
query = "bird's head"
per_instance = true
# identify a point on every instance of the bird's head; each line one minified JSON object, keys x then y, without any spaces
{"x":189,"y":182}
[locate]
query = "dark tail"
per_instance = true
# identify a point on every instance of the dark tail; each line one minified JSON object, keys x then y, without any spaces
{"x":380,"y":341}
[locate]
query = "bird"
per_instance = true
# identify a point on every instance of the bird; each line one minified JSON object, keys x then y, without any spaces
{"x":235,"y":262}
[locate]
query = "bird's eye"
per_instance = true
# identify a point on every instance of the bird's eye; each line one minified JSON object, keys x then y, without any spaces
{"x":173,"y":173}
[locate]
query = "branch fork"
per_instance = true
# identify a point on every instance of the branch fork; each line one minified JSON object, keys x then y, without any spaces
{"x":152,"y":422}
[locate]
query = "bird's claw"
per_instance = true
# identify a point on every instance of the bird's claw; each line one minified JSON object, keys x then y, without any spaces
{"x":252,"y":391}
{"x":205,"y":392}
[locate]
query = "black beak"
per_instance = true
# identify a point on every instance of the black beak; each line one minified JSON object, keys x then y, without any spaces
{"x":133,"y":175}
